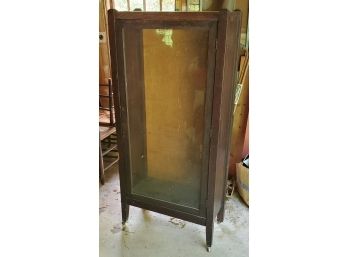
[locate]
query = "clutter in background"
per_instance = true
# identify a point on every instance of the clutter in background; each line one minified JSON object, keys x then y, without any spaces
{"x":240,"y":134}
{"x":243,"y":179}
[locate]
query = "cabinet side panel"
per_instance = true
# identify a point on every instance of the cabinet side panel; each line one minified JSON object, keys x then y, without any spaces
{"x":229,"y":80}
{"x":117,"y":78}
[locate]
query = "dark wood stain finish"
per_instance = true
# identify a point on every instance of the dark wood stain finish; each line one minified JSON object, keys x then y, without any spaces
{"x":167,"y":16}
{"x":223,"y":52}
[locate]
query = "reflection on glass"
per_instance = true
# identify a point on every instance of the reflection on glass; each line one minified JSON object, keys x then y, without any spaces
{"x":167,"y":36}
{"x":166,"y":113}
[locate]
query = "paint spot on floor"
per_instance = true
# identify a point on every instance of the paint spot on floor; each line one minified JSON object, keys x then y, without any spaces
{"x":102,"y":209}
{"x":115,"y":229}
{"x":177,"y":222}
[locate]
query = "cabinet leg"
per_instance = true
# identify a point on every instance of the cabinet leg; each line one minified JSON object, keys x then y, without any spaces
{"x":221,"y":214}
{"x":209,"y":234}
{"x":125,"y":212}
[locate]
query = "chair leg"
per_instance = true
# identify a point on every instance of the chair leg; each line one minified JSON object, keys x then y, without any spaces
{"x":101,"y":165}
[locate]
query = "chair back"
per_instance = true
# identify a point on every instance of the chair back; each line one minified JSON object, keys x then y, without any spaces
{"x":107,"y":114}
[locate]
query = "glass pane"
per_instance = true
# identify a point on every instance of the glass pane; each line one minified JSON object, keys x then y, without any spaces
{"x":121,"y":5}
{"x":166,"y":86}
{"x":152,"y":5}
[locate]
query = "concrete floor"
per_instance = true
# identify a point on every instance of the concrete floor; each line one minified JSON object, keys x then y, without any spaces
{"x":151,"y":234}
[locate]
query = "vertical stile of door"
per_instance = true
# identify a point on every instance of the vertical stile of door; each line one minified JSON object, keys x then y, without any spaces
{"x":225,"y":64}
{"x":117,"y":105}
{"x":208,"y":113}
{"x":215,"y":119}
{"x":233,"y":18}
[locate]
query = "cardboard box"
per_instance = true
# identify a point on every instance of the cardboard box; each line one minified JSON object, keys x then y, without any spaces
{"x":243,"y":181}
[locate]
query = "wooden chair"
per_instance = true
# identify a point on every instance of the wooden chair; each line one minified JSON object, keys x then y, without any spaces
{"x":107,"y":132}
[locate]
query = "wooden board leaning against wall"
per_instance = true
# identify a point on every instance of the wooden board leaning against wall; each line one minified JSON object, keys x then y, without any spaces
{"x":240,"y":117}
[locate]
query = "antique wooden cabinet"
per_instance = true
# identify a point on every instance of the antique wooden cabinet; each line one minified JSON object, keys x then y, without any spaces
{"x":174,"y":75}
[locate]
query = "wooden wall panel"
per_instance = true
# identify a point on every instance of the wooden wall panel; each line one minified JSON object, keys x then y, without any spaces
{"x":104,"y":55}
{"x":243,"y":5}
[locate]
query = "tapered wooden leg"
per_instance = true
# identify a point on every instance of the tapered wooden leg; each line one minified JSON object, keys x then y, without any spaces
{"x":209,"y":234}
{"x":125,"y":212}
{"x":221,"y":213}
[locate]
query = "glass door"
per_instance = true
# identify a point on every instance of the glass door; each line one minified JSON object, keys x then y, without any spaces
{"x":169,"y":100}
